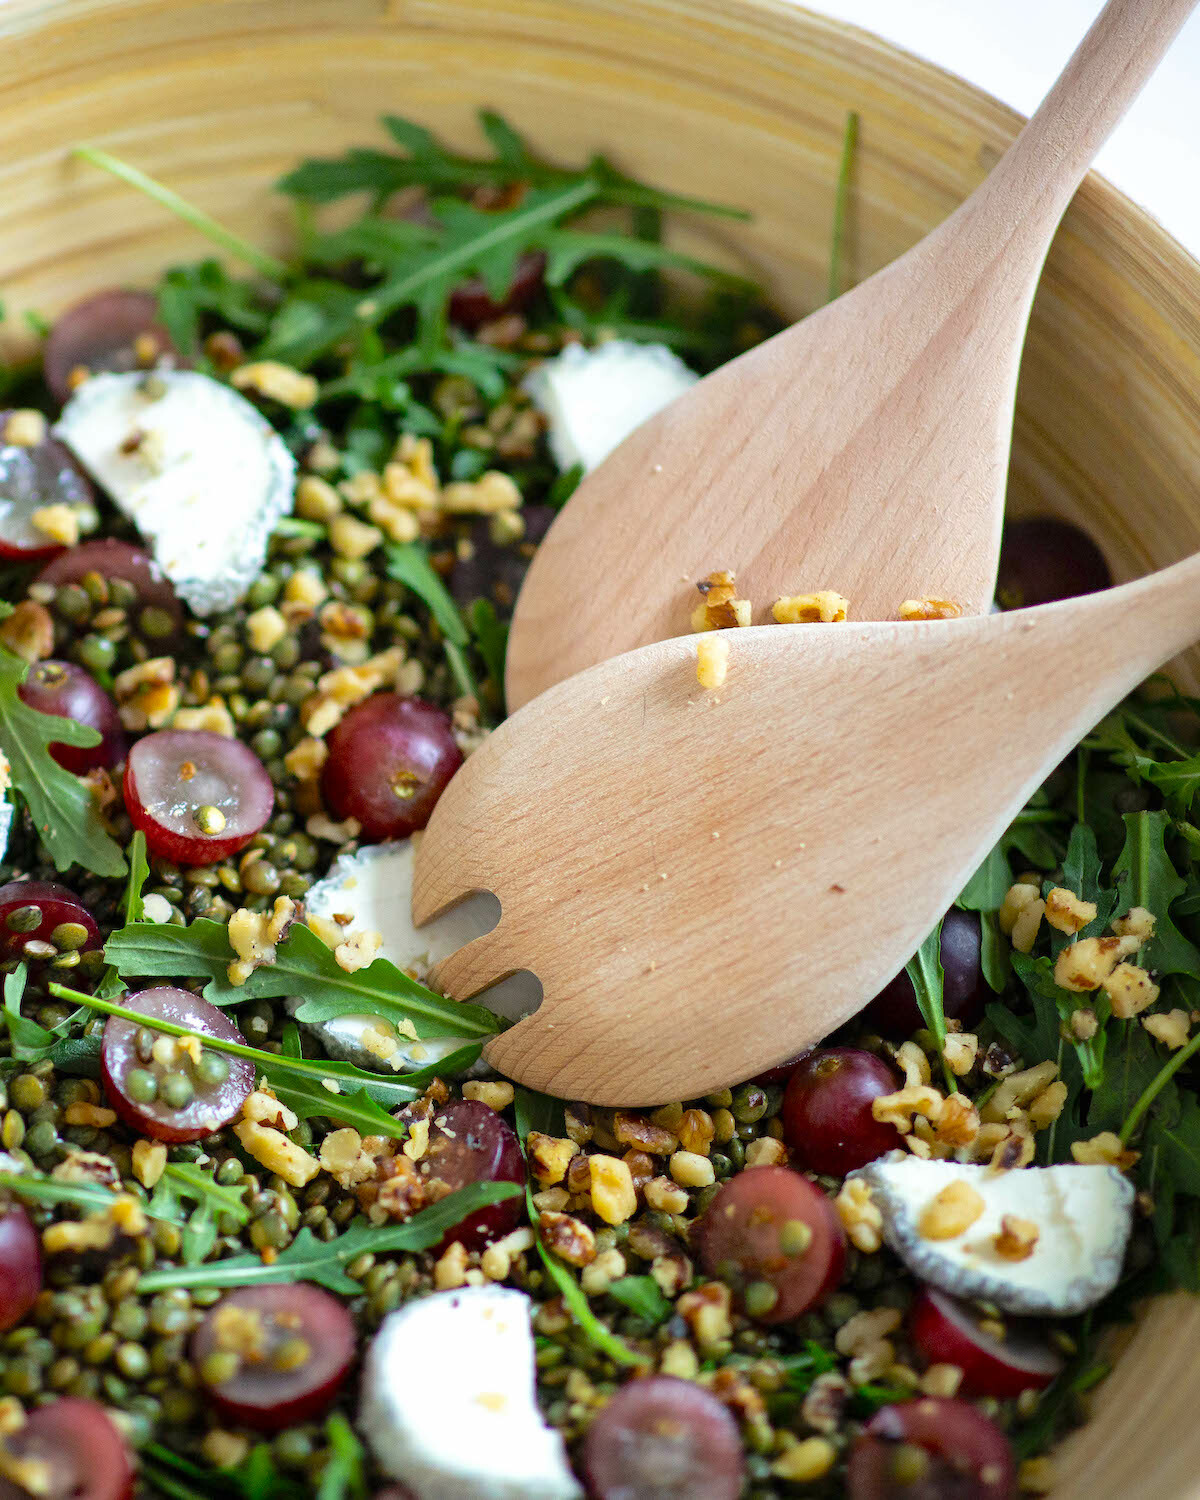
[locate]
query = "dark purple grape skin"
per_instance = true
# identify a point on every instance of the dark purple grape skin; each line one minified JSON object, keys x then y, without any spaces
{"x":66,"y":690}
{"x":471,"y":304}
{"x":497,"y":572}
{"x":965,"y":992}
{"x":1044,"y":560}
{"x":663,"y":1439}
{"x":261,"y":1394}
{"x":56,"y":904}
{"x":469,"y":1142}
{"x":20,"y":1264}
{"x":967,"y":1456}
{"x":84,"y":1454}
{"x":390,"y":759}
{"x":100,"y":333}
{"x":32,"y":477}
{"x":827,"y":1110}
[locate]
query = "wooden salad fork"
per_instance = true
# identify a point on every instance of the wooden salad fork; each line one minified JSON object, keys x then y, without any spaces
{"x":864,"y":450}
{"x":706,"y":882}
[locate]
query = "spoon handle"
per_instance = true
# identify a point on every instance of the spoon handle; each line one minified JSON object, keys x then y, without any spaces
{"x":1030,"y":188}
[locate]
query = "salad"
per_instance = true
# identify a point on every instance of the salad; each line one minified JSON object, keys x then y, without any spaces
{"x":268,"y":1227}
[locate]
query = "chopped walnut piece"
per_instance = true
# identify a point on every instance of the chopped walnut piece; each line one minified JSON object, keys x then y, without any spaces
{"x":901,"y":1108}
{"x":279,"y":382}
{"x":265,"y":628}
{"x":496,"y":1093}
{"x":214,"y":716}
{"x":1025,"y":928}
{"x":451,"y":1270}
{"x":492,"y":492}
{"x":1066,"y":911}
{"x":941,"y":1380}
{"x":1015,"y":1149}
{"x":823,"y":608}
{"x":1017,"y":1090}
{"x":706,"y":1311}
{"x":613,"y":1195}
{"x":865,"y":1329}
{"x":860,"y":1218}
{"x":1017,"y":1238}
{"x":25,"y":428}
{"x":691,"y":1170}
{"x":637,"y":1131}
{"x":96,"y":1116}
{"x":1046,"y":1107}
{"x":1136,"y":923}
{"x":253,"y":936}
{"x":712,"y":661}
{"x":930,"y":609}
{"x":569,"y":1238}
{"x":358,"y":950}
{"x":274,"y":1151}
{"x":1084,"y":1023}
{"x":719,"y":607}
{"x":666,"y":1196}
{"x":607,"y":1267}
{"x":1130,"y":990}
{"x":1171,"y":1029}
{"x":825,"y":1404}
{"x":1016,"y":898}
{"x":58,"y":522}
{"x":1087,"y":963}
{"x":549,"y":1156}
{"x":960,"y":1051}
{"x":1105,"y":1150}
{"x":29,"y":631}
{"x":959,"y":1122}
{"x":696,"y":1131}
{"x":766,"y":1151}
{"x":951,"y":1212}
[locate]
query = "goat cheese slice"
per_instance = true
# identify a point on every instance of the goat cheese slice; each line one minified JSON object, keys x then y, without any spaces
{"x":1083,"y":1216}
{"x":449,"y":1405}
{"x":594,"y":398}
{"x":199,"y":471}
{"x":371,"y":891}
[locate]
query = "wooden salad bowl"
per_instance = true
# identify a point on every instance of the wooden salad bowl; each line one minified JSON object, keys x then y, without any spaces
{"x":738,"y":100}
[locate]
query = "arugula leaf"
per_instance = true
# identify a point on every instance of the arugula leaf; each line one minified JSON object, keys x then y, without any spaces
{"x":304,"y":967}
{"x":642,"y":1295}
{"x":924,"y":969}
{"x":1037,"y":975}
{"x":310,"y":1259}
{"x":1081,"y":874}
{"x":310,"y":1096}
{"x":580,"y":1308}
{"x":92,"y":1197}
{"x":343,"y":1477}
{"x":187,"y":293}
{"x":984,"y":893}
{"x":29,"y":1040}
{"x":139,"y":873}
{"x":409,"y":562}
{"x":491,"y":641}
{"x":534,"y":1111}
{"x":63,"y":809}
{"x":185,"y":1180}
{"x":1145,"y":876}
{"x":430,"y":165}
{"x":803,"y":1368}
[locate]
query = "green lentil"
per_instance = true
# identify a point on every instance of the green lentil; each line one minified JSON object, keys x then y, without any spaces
{"x":219,"y":1366}
{"x":27,"y":1091}
{"x":141,"y":1085}
{"x":211,"y":1069}
{"x":68,"y":936}
{"x":96,"y":652}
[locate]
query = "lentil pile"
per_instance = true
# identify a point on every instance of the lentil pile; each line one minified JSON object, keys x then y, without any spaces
{"x":203,"y":1240}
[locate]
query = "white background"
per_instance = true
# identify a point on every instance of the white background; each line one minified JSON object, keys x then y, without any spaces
{"x":1015,"y":49}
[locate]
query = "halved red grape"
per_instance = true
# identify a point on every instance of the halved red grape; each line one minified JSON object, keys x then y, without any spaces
{"x":274,"y":1356}
{"x":78,"y":1451}
{"x":663,"y":1439}
{"x":104,"y":332}
{"x":949,"y":1332}
{"x":389,"y":761}
{"x":894,"y":1011}
{"x":157,"y":1087}
{"x":471,"y":305}
{"x":113,"y":559}
{"x":20,"y":1264}
{"x":469,"y":1142}
{"x":931,"y":1449}
{"x":62,"y":688}
{"x":30,"y":478}
{"x":827,"y":1119}
{"x":775,"y":1239}
{"x":197,"y":796}
{"x":1043,"y":560}
{"x":34,"y":908}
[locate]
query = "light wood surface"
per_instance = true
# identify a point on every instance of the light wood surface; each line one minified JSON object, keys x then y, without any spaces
{"x":864,"y":449}
{"x":743,"y":100}
{"x":707,"y":882}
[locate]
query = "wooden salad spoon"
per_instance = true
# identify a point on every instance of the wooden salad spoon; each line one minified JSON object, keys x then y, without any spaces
{"x":865,"y":449}
{"x":706,"y":882}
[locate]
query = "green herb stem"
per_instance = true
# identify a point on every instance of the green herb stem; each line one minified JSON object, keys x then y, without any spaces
{"x":841,"y":205}
{"x":234,"y":244}
{"x":1156,"y":1086}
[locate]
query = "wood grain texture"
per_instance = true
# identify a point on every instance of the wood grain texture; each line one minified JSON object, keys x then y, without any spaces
{"x":737,"y":99}
{"x":864,"y":449}
{"x":706,"y":883}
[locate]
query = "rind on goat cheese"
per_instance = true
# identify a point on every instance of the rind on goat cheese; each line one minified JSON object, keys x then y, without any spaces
{"x":373,"y":889}
{"x":1083,"y":1216}
{"x":199,"y":471}
{"x":594,"y":398}
{"x":449,"y":1404}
